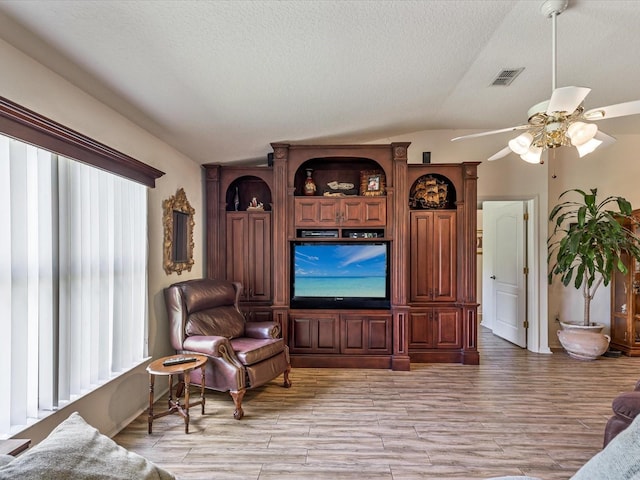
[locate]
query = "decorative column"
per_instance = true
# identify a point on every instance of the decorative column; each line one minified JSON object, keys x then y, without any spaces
{"x":399,"y":256}
{"x":280,"y":242}
{"x":470,"y":354}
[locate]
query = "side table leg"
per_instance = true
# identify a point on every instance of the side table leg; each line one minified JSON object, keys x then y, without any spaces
{"x":150,"y":417}
{"x":170,"y":401}
{"x":187,"y":382}
{"x":202,"y":389}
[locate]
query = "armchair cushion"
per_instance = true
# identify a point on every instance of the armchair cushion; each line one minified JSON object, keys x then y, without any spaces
{"x":223,"y":321}
{"x":205,"y":294}
{"x":253,"y":350}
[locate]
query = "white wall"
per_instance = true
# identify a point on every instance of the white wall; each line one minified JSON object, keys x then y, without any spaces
{"x":29,"y":84}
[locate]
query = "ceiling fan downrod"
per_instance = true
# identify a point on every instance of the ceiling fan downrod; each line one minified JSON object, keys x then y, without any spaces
{"x":553,"y":8}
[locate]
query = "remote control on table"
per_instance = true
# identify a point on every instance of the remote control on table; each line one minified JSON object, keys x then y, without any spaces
{"x":178,"y":361}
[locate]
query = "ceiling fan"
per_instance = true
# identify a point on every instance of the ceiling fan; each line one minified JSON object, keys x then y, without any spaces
{"x":561,"y":120}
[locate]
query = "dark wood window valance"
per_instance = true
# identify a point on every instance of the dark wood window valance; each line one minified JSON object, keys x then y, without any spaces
{"x":23,"y":124}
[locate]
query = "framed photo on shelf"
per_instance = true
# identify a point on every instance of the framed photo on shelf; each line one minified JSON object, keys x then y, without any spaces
{"x":372,"y":183}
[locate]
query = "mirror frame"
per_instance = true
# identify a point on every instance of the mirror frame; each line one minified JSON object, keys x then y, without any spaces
{"x":177,"y":203}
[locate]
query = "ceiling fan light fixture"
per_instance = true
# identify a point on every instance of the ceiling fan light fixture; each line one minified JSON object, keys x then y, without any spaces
{"x":581,"y":133}
{"x":588,"y":147}
{"x":521,"y":143}
{"x":532,"y":155}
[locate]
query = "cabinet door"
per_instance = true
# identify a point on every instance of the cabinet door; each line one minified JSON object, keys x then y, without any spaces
{"x":421,"y":262}
{"x":314,"y":333}
{"x":258,"y":264}
{"x":366,"y":334}
{"x":237,"y":244}
{"x":433,"y":256}
{"x":364,"y":212}
{"x":448,"y":327}
{"x":421,"y":329}
{"x":316,"y":212}
{"x":248,"y":254}
{"x":443,"y":251}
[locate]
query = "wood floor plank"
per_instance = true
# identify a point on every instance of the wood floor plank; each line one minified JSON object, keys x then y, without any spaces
{"x":517,"y":413}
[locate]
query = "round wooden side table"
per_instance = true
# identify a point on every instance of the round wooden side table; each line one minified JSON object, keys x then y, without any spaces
{"x":164,"y":366}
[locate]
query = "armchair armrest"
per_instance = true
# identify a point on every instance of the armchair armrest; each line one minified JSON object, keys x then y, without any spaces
{"x":261,"y":330}
{"x":206,"y":345}
{"x":627,"y":405}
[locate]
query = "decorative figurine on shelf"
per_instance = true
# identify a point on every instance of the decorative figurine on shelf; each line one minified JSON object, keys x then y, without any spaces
{"x":255,"y":205}
{"x":309,"y":184}
{"x":236,"y":201}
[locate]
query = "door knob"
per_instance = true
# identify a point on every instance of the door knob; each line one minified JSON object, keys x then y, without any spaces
{"x":492,"y":277}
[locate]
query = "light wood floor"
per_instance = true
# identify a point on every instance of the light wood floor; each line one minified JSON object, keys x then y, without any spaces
{"x":516,"y":413}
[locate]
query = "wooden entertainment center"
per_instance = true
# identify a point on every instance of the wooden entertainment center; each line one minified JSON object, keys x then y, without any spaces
{"x":425,"y":215}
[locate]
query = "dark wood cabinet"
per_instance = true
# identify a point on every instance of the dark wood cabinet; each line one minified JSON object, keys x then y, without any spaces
{"x":361,"y":333}
{"x":256,"y":314}
{"x":424,"y":213}
{"x":313,"y":332}
{"x":248,"y":253}
{"x":366,"y":334}
{"x":437,"y":327}
{"x":625,"y":304}
{"x":433,"y":256}
{"x":323,"y":212}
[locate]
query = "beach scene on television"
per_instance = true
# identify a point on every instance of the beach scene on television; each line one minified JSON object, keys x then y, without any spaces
{"x":347,"y":270}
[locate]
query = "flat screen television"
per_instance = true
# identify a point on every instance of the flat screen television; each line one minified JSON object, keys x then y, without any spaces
{"x":340,"y":275}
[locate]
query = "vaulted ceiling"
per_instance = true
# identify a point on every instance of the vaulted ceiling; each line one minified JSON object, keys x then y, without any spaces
{"x":220,"y":80}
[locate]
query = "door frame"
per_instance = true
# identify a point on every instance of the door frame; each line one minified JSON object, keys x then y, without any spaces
{"x":536,"y":296}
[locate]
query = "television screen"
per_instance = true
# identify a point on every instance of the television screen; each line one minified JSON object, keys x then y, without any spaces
{"x":347,"y":275}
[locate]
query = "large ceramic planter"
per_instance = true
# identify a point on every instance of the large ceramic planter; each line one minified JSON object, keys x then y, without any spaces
{"x":583,"y":344}
{"x":594,"y":327}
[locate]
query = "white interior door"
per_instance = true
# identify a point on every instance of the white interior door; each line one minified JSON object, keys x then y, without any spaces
{"x":504,"y":277}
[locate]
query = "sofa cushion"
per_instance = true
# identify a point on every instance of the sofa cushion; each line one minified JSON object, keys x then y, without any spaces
{"x":219,"y":322}
{"x":75,"y":450}
{"x":620,"y":460}
{"x":253,"y":350}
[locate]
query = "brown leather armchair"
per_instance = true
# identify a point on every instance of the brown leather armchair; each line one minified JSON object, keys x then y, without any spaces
{"x":626,"y":407}
{"x":204,"y":318}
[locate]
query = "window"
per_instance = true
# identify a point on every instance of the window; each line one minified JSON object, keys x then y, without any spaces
{"x":73,"y":279}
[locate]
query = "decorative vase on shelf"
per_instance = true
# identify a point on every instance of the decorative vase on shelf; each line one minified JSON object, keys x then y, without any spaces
{"x":309,"y":184}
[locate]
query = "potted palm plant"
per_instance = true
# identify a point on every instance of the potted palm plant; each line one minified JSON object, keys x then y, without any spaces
{"x":587,"y":243}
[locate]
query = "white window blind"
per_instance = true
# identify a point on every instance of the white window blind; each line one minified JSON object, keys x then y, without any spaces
{"x":73,"y":279}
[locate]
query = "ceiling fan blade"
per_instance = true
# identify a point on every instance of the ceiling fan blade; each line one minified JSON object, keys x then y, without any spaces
{"x":502,"y":153}
{"x":604,"y":138}
{"x":566,"y":99}
{"x":492,"y":132}
{"x":612,"y":111}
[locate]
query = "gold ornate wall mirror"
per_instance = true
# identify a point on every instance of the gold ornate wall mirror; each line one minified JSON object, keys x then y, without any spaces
{"x":178,"y":233}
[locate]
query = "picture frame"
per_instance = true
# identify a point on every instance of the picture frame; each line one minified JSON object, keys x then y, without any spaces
{"x":479,"y":242}
{"x":372,"y":183}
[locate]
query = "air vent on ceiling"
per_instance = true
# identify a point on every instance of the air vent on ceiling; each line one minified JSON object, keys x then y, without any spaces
{"x":506,"y":76}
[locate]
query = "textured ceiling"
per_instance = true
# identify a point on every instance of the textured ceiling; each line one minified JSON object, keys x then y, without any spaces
{"x":220,"y":80}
